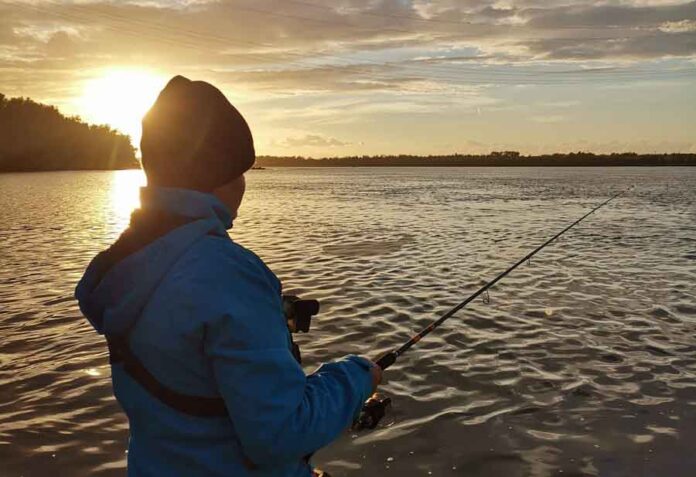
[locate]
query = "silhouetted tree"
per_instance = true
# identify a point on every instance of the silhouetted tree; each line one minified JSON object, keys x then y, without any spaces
{"x":37,"y":137}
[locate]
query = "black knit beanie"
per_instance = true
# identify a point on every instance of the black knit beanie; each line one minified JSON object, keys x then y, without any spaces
{"x":193,"y":138}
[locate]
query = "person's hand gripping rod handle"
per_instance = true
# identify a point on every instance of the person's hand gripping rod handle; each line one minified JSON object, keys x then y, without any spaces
{"x":375,"y":408}
{"x":386,"y":360}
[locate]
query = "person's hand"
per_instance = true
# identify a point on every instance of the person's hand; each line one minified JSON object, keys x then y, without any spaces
{"x":376,"y":376}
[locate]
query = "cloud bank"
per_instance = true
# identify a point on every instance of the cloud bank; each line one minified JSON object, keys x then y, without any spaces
{"x":397,"y":60}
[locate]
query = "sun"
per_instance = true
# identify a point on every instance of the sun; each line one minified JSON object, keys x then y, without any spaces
{"x":120,"y":98}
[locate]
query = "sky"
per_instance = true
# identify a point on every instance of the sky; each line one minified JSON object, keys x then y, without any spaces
{"x":353,"y":77}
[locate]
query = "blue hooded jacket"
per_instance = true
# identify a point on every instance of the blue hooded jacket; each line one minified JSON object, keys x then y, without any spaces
{"x":205,"y":318}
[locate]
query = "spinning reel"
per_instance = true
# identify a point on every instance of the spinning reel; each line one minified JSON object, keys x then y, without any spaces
{"x":299,"y":313}
{"x":374,"y":409}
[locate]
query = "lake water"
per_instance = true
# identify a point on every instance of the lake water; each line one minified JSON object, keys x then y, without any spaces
{"x":583,"y":363}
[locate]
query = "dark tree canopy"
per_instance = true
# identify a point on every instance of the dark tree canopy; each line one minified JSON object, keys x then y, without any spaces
{"x":494,"y":159}
{"x":37,"y":137}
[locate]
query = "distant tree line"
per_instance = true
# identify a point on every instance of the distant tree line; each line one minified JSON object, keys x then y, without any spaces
{"x":37,"y":137}
{"x":504,"y":158}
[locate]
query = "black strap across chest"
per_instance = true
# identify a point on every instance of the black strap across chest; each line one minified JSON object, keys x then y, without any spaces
{"x":145,"y":228}
{"x":199,"y":406}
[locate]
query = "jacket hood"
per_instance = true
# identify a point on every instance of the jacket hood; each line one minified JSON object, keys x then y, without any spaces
{"x":119,"y":281}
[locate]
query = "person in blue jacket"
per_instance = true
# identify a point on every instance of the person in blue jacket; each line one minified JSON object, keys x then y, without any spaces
{"x":200,"y":352}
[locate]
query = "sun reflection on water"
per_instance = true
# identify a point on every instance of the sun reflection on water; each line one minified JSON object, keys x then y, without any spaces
{"x":125,"y":195}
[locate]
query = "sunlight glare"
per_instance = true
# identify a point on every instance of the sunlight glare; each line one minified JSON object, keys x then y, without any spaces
{"x":125,"y":196}
{"x":120,"y":98}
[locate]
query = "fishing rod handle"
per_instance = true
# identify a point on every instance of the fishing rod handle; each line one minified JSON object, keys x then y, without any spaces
{"x":387,"y":360}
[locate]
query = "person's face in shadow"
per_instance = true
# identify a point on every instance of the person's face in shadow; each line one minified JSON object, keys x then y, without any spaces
{"x":232,"y":193}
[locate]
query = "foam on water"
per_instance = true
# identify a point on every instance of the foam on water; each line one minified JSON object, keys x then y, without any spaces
{"x":583,"y":361}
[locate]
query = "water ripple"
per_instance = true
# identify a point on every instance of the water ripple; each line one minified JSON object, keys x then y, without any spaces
{"x":583,"y":362}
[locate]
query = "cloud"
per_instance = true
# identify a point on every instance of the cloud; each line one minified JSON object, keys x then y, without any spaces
{"x":62,"y":44}
{"x":272,"y":33}
{"x":627,"y":31}
{"x":656,"y":45}
{"x":348,"y":45}
{"x":352,"y":64}
{"x":313,"y":140}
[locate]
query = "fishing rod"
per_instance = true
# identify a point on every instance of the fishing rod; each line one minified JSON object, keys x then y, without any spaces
{"x":375,"y":408}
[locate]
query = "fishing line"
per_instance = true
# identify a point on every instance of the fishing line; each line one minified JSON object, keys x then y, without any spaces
{"x":390,"y":358}
{"x":376,"y":406}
